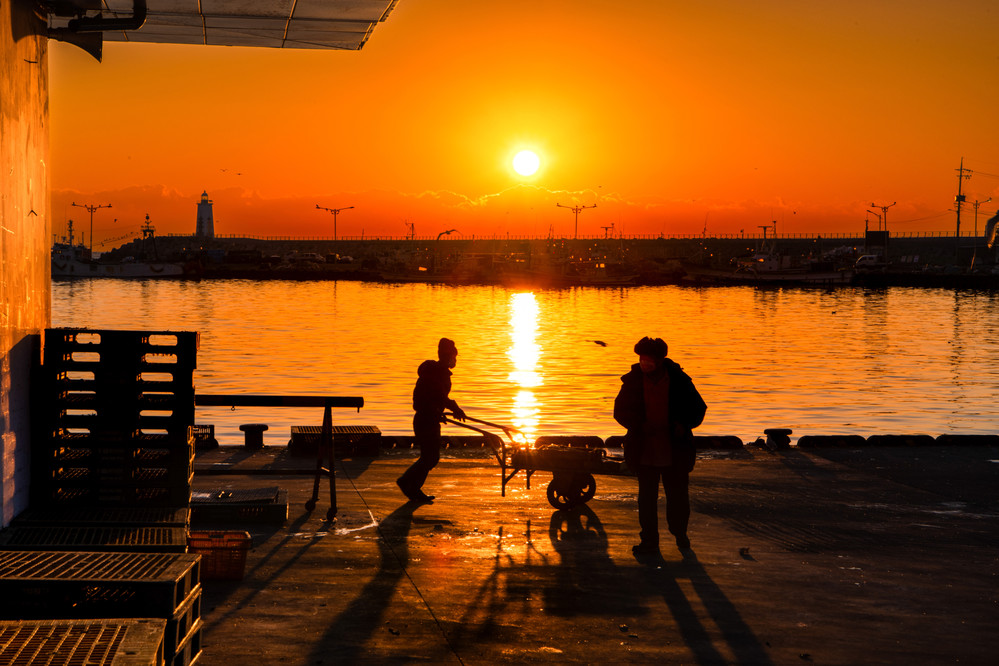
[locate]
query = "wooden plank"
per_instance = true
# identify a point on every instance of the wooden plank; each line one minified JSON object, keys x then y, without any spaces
{"x":245,"y":400}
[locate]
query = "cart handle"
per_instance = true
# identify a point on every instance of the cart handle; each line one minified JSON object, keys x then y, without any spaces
{"x":451,"y":418}
{"x":499,"y":449}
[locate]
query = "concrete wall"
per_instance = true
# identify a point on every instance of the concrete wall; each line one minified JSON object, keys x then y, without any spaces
{"x":25,"y":301}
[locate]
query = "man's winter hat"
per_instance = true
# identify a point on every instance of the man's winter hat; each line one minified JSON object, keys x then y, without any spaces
{"x":648,"y":347}
{"x":446,"y":345}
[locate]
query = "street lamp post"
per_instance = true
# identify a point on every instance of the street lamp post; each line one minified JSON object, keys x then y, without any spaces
{"x":976,"y":204}
{"x":90,"y":209}
{"x":576,"y":210}
{"x":884,"y":214}
{"x":875,"y":214}
{"x":335,"y":212}
{"x":883,"y":218}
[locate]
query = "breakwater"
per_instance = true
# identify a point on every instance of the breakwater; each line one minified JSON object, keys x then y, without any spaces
{"x":925,"y":260}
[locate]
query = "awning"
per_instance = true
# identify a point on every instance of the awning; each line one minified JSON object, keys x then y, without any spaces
{"x":297,"y":24}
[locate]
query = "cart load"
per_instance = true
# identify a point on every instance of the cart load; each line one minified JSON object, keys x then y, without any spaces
{"x":572,"y":467}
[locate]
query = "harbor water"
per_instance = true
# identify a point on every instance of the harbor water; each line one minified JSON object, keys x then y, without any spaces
{"x":821,"y":362}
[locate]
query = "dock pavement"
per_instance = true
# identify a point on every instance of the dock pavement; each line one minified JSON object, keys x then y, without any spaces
{"x":832,"y":556}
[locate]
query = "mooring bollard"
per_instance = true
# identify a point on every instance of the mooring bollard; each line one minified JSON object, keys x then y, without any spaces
{"x":777,"y":438}
{"x":253,"y":440}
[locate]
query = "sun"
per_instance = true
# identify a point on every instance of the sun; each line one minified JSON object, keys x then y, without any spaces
{"x":526,"y":162}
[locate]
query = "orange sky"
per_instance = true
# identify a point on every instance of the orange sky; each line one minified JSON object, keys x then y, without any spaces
{"x":666,"y":115}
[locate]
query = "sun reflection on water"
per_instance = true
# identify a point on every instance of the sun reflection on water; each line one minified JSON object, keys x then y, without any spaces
{"x":524,"y":353}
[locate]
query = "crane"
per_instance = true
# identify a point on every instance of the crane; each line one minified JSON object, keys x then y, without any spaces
{"x":334,"y":212}
{"x":576,"y":210}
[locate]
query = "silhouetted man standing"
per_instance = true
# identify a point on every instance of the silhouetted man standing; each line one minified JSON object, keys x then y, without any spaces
{"x":660,"y":407}
{"x":430,"y":399}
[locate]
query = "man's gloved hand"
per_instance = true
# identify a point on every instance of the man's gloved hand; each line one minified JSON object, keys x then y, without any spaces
{"x":459,"y":413}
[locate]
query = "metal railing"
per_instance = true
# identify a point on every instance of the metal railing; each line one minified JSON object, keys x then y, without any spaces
{"x":631,"y":237}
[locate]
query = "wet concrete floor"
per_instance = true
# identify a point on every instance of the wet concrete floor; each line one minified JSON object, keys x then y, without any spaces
{"x":860,"y":556}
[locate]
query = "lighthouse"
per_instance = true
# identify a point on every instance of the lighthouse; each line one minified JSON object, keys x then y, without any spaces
{"x":206,"y":225}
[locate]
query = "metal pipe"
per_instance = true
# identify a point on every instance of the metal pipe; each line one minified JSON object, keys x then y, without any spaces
{"x":101,"y":24}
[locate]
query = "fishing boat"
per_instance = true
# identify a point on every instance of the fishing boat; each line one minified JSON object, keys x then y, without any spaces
{"x":769,"y":266}
{"x":576,"y":274}
{"x":767,"y":270}
{"x":562,"y":266}
{"x":75,"y":260}
{"x":771,"y":269}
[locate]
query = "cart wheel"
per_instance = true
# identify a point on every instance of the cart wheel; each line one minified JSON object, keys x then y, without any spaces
{"x":570,"y":490}
{"x":559,"y":497}
{"x":587,"y":486}
{"x":310,"y":505}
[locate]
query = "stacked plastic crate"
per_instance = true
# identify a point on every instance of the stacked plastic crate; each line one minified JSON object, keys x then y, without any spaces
{"x":117,"y":411}
{"x":113,"y":462}
{"x":111,"y":590}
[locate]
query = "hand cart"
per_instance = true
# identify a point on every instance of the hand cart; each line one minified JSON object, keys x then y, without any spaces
{"x":572,"y":468}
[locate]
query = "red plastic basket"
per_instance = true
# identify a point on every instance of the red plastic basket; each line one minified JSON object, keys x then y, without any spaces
{"x":223,"y":553}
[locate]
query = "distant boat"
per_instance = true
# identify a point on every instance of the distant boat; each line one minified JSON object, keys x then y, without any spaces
{"x":595,"y":276}
{"x":767,"y":271}
{"x":556,"y":267}
{"x":770,"y":267}
{"x":71,"y":260}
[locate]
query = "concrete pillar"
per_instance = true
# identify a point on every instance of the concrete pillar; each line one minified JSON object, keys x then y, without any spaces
{"x":25,"y":235}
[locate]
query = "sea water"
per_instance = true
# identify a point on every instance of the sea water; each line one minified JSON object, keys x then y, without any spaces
{"x":821,"y":362}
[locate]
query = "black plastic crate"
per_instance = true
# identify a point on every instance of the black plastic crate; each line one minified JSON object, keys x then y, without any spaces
{"x":84,"y":439}
{"x":155,"y":539}
{"x":204,"y":437}
{"x":260,"y":506}
{"x":189,"y":651}
{"x":185,"y":619}
{"x":91,"y":384}
{"x":114,"y":344}
{"x":106,"y":516}
{"x":121,"y":423}
{"x":102,"y":455}
{"x":126,"y":402}
{"x":91,"y":495}
{"x":114,"y":642}
{"x":348,"y":440}
{"x":120,"y":479}
{"x":40,"y":584}
{"x":76,"y":375}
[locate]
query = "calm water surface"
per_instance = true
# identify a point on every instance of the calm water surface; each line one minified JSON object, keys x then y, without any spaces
{"x":846,"y":361}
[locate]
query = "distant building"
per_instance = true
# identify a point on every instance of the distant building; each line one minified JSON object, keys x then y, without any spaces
{"x":206,"y":224}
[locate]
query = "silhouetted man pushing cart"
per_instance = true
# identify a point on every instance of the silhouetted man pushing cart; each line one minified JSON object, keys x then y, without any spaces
{"x":430,"y":399}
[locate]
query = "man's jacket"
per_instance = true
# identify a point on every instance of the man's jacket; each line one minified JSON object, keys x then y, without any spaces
{"x":686,"y":412}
